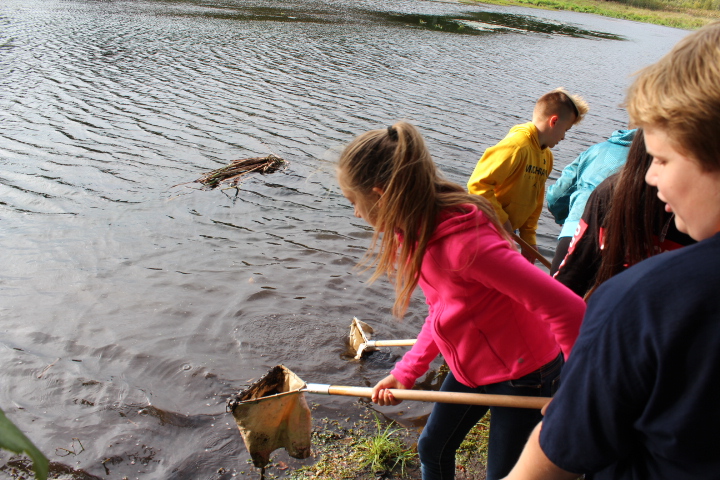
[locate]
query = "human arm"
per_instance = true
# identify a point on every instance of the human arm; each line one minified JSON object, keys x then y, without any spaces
{"x":508,"y":227}
{"x":492,"y":170}
{"x":382,"y":396}
{"x":578,"y":269}
{"x":492,"y":262}
{"x":582,"y":262}
{"x":528,"y":254}
{"x":591,"y":424}
{"x":528,"y":229}
{"x":533,"y":464}
{"x":560,"y":308}
{"x":598,"y":163}
{"x":558,"y":194}
{"x":416,"y":361}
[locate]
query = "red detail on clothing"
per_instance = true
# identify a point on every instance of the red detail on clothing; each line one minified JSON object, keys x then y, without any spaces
{"x":665,"y":246}
{"x":579,"y":232}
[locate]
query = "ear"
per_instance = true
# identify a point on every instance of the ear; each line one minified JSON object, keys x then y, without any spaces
{"x":552,"y":121}
{"x":379,"y":191}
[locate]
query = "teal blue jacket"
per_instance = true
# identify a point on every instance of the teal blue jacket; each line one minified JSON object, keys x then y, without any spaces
{"x":566,"y":199}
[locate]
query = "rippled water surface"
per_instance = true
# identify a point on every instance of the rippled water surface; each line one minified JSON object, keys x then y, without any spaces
{"x":131,"y":307}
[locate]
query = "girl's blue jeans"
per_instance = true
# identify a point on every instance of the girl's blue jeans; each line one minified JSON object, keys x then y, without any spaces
{"x":509,"y":427}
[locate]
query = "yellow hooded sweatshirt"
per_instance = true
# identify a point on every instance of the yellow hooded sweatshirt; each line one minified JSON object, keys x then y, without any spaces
{"x":512,"y":175}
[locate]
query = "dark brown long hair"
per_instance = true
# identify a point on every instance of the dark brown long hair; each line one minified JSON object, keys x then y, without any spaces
{"x":635,"y":214}
{"x":397,"y":161}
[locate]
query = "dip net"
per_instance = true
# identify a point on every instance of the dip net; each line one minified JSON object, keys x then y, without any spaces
{"x":272,"y":414}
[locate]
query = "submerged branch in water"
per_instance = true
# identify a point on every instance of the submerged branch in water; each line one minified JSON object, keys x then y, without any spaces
{"x":231,"y":175}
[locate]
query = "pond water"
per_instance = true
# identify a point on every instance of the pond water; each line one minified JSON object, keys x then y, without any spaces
{"x":131,"y":308}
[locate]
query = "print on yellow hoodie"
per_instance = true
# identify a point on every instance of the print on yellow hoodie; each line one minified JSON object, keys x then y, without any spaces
{"x":512,"y":175}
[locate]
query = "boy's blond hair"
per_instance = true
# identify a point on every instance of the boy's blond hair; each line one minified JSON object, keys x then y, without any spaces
{"x":681,"y":95}
{"x":560,"y":102}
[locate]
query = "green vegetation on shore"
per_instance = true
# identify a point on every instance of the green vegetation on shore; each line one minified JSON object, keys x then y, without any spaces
{"x":385,"y":450}
{"x":12,"y":439}
{"x":685,"y":14}
{"x":366,"y":449}
{"x":343,"y":451}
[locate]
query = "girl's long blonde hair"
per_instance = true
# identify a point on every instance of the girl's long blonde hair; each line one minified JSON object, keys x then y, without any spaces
{"x":397,"y":161}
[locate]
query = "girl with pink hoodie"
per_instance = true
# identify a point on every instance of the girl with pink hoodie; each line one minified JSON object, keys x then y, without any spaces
{"x":502,"y":325}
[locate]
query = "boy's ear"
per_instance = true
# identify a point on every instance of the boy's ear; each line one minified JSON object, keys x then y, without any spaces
{"x":552,"y":121}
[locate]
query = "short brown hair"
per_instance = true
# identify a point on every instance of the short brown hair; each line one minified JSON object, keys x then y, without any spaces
{"x":560,"y":102}
{"x":681,"y":95}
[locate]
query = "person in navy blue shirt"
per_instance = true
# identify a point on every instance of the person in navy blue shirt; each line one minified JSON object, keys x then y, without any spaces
{"x":640,"y":394}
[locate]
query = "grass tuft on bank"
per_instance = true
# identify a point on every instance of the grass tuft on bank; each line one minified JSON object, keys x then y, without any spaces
{"x":369,"y":448}
{"x":385,"y":450}
{"x":361,"y":449}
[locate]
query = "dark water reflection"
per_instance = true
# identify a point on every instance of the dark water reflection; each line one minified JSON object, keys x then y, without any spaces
{"x":478,"y":23}
{"x":131,"y":310}
{"x":471,"y":23}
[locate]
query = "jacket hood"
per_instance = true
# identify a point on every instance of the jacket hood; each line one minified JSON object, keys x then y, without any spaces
{"x":530,"y":131}
{"x":455,"y":220}
{"x":622,"y":137}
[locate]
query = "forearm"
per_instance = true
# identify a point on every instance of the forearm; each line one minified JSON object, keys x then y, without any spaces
{"x":558,"y":198}
{"x":493,"y":169}
{"x":508,"y":226}
{"x":533,"y":464}
{"x":529,"y":227}
{"x":416,"y":361}
{"x":554,"y":303}
{"x":530,"y":252}
{"x":559,"y":193}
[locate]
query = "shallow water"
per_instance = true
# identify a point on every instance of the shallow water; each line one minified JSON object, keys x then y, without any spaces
{"x":132,"y":308}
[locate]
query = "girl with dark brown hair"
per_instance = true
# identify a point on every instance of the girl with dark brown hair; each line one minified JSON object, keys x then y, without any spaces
{"x":624,"y":223}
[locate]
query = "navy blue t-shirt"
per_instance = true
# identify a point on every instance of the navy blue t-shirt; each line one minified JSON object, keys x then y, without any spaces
{"x":640,"y":393}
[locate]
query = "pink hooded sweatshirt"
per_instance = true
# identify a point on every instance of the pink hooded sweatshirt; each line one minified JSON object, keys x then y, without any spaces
{"x":492,"y":314}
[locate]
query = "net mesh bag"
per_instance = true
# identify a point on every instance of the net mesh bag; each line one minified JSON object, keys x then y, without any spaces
{"x":272,"y":414}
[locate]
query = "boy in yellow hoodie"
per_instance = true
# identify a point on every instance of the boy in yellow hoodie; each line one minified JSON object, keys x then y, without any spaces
{"x":512,"y":174}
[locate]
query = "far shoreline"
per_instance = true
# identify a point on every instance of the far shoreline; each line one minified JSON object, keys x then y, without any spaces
{"x":669,"y":15}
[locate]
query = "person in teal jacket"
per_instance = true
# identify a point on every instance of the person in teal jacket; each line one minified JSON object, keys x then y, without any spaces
{"x":566,"y":199}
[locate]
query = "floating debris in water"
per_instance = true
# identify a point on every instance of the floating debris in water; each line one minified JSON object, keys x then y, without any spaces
{"x":230,"y":175}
